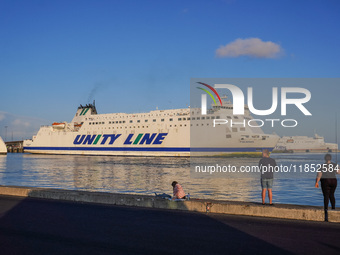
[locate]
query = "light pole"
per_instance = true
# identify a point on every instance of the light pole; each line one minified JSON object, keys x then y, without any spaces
{"x":6,"y":133}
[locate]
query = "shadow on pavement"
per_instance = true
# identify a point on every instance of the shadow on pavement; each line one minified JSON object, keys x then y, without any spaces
{"x":33,"y":226}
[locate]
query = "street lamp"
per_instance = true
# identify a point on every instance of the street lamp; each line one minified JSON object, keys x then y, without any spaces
{"x":6,"y":133}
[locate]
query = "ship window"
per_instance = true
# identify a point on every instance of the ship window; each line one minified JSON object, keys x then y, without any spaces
{"x":212,"y":117}
{"x":235,"y":117}
{"x":162,"y":119}
{"x":146,"y":120}
{"x":131,"y":121}
{"x":208,"y":118}
{"x":179,"y":118}
{"x":242,"y":129}
{"x":234,"y":129}
{"x":171,"y":119}
{"x":96,"y":123}
{"x":228,"y":136}
{"x":228,"y":117}
{"x":203,"y":118}
{"x":193,"y":118}
{"x":188,"y":119}
{"x":120,"y":122}
{"x":123,"y":121}
{"x":154,"y":120}
{"x":138,"y":121}
{"x":198,"y":118}
{"x":184,"y":119}
{"x":170,"y":125}
{"x":90,"y":123}
{"x":116,"y":122}
{"x":218,"y":117}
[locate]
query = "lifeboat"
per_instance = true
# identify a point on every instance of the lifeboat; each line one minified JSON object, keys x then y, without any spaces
{"x":78,"y":125}
{"x":58,"y":125}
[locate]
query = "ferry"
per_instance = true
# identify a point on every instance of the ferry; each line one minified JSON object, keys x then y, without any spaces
{"x":3,"y":148}
{"x":173,"y":132}
{"x":305,"y":144}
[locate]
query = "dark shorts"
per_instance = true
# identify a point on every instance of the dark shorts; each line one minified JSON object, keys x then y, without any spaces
{"x":267,"y":183}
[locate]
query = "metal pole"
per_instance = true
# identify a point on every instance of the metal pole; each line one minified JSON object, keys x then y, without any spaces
{"x":336,"y":137}
{"x":6,"y":133}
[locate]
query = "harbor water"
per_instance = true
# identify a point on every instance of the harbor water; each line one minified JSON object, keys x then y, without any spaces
{"x":146,"y":175}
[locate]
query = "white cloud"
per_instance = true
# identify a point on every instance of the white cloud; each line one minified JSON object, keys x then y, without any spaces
{"x":19,"y":127}
{"x":251,"y":47}
{"x":2,"y":116}
{"x":20,"y":122}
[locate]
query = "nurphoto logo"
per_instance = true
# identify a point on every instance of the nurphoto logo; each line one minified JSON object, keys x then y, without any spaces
{"x":239,"y":104}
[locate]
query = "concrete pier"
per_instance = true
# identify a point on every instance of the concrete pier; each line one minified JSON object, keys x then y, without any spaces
{"x":44,"y":226}
{"x":282,"y":211}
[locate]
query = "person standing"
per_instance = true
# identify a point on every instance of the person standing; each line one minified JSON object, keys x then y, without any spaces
{"x":267,"y":166}
{"x":326,"y":175}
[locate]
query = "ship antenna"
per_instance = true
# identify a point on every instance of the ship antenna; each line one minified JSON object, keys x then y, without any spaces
{"x":336,"y":137}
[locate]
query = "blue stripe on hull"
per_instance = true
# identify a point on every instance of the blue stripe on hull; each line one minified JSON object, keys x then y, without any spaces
{"x":105,"y":149}
{"x":249,"y":149}
{"x":171,"y":149}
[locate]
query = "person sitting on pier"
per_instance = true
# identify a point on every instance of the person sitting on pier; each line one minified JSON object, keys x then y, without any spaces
{"x":178,"y":192}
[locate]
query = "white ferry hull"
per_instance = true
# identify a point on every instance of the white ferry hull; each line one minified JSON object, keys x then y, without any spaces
{"x":3,"y":148}
{"x":157,"y":133}
{"x":305,"y":144}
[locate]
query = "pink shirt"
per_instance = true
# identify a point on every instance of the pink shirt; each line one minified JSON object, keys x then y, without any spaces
{"x":178,"y":191}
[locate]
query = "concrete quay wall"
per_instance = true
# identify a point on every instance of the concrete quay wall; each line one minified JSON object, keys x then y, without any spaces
{"x":283,"y":211}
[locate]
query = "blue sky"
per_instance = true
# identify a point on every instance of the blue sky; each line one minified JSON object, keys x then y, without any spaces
{"x":134,"y":56}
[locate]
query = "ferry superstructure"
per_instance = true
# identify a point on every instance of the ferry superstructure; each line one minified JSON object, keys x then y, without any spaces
{"x":305,"y":144}
{"x":155,"y":133}
{"x":3,"y":148}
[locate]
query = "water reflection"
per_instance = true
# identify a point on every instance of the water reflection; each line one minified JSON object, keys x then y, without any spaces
{"x":3,"y":159}
{"x":146,"y":175}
